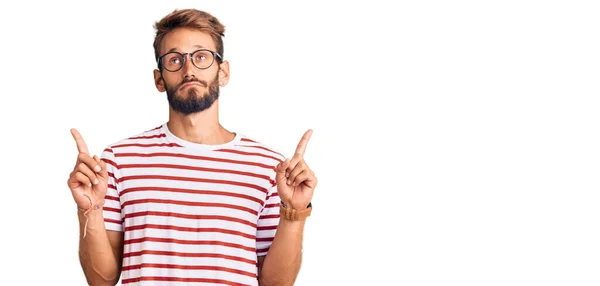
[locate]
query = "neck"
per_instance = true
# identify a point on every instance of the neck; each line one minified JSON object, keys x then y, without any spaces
{"x":200,"y":127}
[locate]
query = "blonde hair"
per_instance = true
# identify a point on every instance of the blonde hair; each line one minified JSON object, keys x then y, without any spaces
{"x":189,"y":18}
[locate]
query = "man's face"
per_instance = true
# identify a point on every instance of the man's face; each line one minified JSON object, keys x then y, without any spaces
{"x":189,"y":89}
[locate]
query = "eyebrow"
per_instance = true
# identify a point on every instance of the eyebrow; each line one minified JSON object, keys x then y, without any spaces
{"x":195,"y":46}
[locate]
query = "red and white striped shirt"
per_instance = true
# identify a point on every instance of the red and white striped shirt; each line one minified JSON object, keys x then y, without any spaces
{"x":191,"y":213}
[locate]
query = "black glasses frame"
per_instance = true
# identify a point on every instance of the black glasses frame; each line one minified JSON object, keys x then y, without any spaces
{"x":183,"y":56}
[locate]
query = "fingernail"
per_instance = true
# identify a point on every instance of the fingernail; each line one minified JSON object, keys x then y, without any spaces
{"x":98,"y":169}
{"x":287,"y":175}
{"x":289,"y":182}
{"x":90,"y":184}
{"x":95,"y":181}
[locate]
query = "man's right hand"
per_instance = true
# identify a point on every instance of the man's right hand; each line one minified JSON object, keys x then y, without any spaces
{"x":89,"y":177}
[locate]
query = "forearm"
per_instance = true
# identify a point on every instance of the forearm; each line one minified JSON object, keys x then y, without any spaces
{"x":282,"y":263}
{"x":96,"y":256}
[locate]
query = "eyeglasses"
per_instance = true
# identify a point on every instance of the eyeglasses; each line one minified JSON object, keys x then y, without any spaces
{"x":202,"y":59}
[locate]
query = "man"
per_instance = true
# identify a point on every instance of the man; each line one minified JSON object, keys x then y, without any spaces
{"x":190,"y":201}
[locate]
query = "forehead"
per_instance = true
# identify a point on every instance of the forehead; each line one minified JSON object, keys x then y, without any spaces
{"x":186,"y":40}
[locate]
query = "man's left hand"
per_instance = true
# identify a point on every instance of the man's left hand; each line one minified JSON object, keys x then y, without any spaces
{"x":296,"y":182}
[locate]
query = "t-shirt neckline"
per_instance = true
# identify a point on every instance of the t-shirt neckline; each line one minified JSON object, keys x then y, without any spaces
{"x":198,"y":146}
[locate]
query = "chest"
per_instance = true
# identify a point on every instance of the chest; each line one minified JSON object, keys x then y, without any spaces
{"x":168,"y":189}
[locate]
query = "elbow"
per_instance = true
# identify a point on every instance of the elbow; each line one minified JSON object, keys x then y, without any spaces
{"x":99,"y":280}
{"x":108,"y":277}
{"x":285,"y":276}
{"x":102,"y":283}
{"x":101,"y":277}
{"x":97,"y":273}
{"x":262,"y":281}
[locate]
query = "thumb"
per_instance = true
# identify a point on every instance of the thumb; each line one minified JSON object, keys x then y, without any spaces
{"x":104,"y":172}
{"x":280,"y":174}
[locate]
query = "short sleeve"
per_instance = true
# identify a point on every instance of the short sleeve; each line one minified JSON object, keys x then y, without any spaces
{"x":113,"y":219}
{"x":267,"y":222}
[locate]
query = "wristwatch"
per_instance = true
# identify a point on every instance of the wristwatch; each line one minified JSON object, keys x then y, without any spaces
{"x":293,"y":214}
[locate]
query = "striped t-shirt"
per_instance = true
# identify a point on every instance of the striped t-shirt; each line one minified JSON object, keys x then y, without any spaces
{"x":191,"y":213}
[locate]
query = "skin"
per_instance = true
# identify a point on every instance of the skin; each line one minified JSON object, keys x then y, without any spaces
{"x":101,"y":250}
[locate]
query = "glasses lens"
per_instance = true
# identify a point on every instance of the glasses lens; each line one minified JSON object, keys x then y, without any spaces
{"x":202,"y":59}
{"x":172,"y":61}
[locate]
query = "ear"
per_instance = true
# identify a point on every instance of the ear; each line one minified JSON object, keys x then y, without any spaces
{"x":159,"y":82}
{"x":224,"y":73}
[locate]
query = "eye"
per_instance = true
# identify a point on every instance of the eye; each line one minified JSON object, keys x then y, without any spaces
{"x":174,"y":60}
{"x":202,"y":56}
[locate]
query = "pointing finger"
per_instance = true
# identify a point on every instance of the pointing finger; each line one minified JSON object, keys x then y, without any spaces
{"x":303,"y":142}
{"x":81,"y":146}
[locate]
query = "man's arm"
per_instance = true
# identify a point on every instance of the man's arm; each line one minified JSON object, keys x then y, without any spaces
{"x":101,"y":251}
{"x":295,"y":186}
{"x":282,"y":263}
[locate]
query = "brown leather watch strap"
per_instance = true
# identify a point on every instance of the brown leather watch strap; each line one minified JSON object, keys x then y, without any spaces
{"x":293,"y":214}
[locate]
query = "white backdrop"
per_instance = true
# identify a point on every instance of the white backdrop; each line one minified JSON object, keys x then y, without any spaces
{"x":455,"y":142}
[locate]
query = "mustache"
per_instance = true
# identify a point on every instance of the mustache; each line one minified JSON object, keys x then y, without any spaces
{"x":201,"y":82}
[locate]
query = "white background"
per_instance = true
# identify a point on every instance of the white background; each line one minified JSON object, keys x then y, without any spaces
{"x":455,"y":142}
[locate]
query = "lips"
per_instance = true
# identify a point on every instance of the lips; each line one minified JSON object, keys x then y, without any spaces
{"x":191,"y":83}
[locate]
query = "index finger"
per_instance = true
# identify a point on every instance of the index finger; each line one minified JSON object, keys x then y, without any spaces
{"x":81,"y":146}
{"x":303,"y":142}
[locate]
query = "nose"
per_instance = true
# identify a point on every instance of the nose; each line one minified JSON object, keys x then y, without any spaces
{"x":188,"y":67}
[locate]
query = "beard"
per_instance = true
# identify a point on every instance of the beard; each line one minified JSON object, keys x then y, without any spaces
{"x":194,"y":102}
